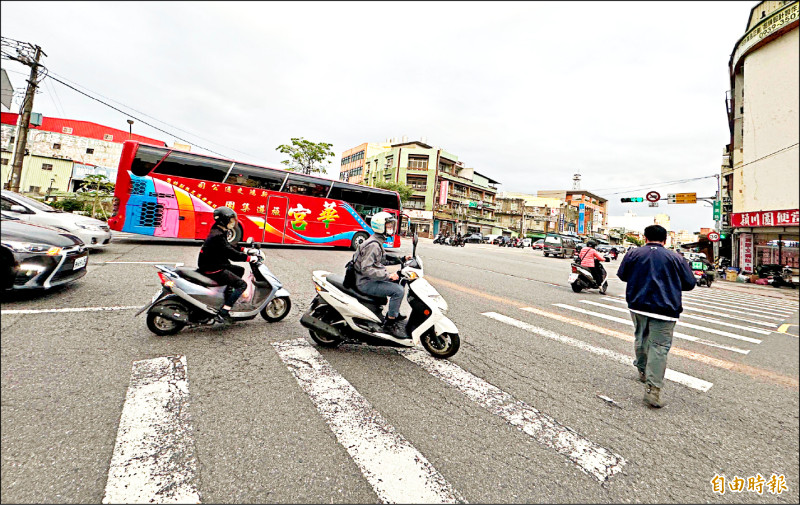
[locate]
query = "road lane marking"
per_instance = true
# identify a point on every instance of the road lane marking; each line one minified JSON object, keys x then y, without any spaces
{"x":689,"y":305}
{"x":759,"y":299}
{"x":743,"y":303}
{"x":751,"y":371}
{"x":593,"y":459}
{"x":628,"y":322}
{"x":71,"y":309}
{"x":672,"y":375}
{"x":154,"y":459}
{"x":394,"y":468}
{"x":688,"y":325}
{"x":701,"y":318}
{"x":142,"y":263}
{"x":701,"y":311}
{"x":742,"y":307}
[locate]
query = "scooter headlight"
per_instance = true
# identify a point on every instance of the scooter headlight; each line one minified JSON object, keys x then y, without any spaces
{"x":413,"y":276}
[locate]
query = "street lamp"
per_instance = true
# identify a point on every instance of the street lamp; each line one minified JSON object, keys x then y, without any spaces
{"x":130,"y":129}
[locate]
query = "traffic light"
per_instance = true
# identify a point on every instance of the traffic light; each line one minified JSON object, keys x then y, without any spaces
{"x":723,"y":235}
{"x":631,"y":200}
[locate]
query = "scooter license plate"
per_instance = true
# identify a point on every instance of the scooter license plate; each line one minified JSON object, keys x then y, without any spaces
{"x":573,"y":278}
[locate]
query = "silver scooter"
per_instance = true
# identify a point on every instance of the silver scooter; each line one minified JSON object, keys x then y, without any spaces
{"x":189,"y":298}
{"x":339,"y":314}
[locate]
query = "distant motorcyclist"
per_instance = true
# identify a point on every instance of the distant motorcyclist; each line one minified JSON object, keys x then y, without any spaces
{"x":588,"y":257}
{"x":214,"y":260}
{"x":372,"y":278}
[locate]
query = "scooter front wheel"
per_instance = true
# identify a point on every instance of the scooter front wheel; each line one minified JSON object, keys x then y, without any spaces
{"x":276,"y":309}
{"x":441,"y":346}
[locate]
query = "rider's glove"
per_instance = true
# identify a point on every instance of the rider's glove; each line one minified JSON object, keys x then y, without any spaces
{"x":253,"y":259}
{"x":252,"y":252}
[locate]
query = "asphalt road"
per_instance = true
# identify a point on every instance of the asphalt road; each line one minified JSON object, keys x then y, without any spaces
{"x":258,"y":436}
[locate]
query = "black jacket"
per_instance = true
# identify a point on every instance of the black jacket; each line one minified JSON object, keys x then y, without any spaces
{"x":655,"y":276}
{"x":216,"y":252}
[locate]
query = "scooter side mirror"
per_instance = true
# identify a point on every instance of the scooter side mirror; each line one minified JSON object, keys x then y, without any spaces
{"x":414,"y":241}
{"x":249,"y":240}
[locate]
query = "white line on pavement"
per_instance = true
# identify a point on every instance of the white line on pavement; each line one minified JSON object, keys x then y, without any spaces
{"x":628,"y":322}
{"x":688,"y":325}
{"x":742,"y":306}
{"x":672,"y":375}
{"x":394,"y":468}
{"x":759,"y":299}
{"x":743,"y":303}
{"x":593,"y":459}
{"x":143,"y":263}
{"x":690,"y":304}
{"x":701,"y":318}
{"x":762,"y":323}
{"x":70,"y":309}
{"x":153,"y":459}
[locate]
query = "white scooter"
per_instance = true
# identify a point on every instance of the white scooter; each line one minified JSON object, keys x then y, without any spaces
{"x":581,"y":278}
{"x":339,"y":314}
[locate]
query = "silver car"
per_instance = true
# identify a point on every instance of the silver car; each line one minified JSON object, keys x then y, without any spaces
{"x":93,"y":232}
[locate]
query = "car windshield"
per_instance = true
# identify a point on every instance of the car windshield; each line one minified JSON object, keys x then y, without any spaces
{"x":30,"y":202}
{"x":552,"y":240}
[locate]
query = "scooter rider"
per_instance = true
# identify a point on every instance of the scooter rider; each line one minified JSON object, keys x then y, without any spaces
{"x":214,"y":260}
{"x":588,"y":255}
{"x":371,"y":276}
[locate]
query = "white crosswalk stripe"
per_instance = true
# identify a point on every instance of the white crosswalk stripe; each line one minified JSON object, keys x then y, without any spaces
{"x":701,"y":318}
{"x":628,"y":322}
{"x":702,"y":311}
{"x":743,"y":303}
{"x":397,"y":472}
{"x":597,"y":461}
{"x":671,"y":375}
{"x":691,"y":305}
{"x":764,"y":300}
{"x":679,"y":323}
{"x":154,"y":459}
{"x":743,"y":307}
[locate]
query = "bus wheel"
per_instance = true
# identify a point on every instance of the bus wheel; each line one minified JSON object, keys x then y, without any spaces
{"x":358,"y":239}
{"x":234,"y":236}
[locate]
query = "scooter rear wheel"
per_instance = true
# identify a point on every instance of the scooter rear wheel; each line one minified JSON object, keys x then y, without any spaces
{"x":162,"y":326}
{"x":320,"y":312}
{"x":576,"y":287}
{"x":441,"y":346}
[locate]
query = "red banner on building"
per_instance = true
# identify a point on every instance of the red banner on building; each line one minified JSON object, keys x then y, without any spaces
{"x":766,"y":218}
{"x":443,"y":187}
{"x":746,"y":252}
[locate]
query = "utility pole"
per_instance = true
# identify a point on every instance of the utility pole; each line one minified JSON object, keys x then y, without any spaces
{"x":25,"y":120}
{"x":718,"y":222}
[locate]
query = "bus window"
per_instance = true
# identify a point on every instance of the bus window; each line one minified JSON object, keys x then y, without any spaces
{"x":255,"y":177}
{"x":146,"y":158}
{"x":301,"y":185}
{"x":182,"y":164}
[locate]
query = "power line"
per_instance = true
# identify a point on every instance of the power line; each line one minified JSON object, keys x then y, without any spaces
{"x":140,"y":120}
{"x":644,"y":186}
{"x":151,"y":117}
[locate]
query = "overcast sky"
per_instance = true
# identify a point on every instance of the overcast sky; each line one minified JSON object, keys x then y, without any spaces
{"x":627,"y":93}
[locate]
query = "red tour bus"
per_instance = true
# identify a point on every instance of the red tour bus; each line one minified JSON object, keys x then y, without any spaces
{"x":163,"y":192}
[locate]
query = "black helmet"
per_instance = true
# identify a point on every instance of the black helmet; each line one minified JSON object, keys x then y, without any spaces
{"x":591,"y":244}
{"x":224,"y":215}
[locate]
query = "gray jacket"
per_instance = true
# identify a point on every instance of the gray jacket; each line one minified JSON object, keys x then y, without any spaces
{"x":370,"y":261}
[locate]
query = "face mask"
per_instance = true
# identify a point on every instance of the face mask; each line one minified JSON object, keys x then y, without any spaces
{"x":390,"y":231}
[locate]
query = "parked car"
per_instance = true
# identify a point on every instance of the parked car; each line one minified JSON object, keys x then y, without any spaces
{"x":504,"y":241}
{"x":39,"y":257}
{"x":526,"y":242}
{"x":559,"y":245}
{"x":474,"y":238}
{"x":93,"y":232}
{"x":490,"y":239}
{"x":539,"y":244}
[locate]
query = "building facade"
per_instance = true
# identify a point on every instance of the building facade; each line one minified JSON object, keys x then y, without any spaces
{"x":591,"y":216}
{"x":40,"y":174}
{"x":447,"y":198}
{"x":529,"y":215}
{"x":68,"y":140}
{"x":352,"y":162}
{"x":761,"y":167}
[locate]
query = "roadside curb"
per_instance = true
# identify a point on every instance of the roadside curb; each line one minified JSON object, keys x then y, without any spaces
{"x":783,"y":294}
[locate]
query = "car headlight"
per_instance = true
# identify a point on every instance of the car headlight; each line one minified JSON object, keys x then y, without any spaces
{"x":88,"y":226}
{"x":32,"y":247}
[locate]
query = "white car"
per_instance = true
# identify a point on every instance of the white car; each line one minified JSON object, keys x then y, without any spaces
{"x":93,"y":232}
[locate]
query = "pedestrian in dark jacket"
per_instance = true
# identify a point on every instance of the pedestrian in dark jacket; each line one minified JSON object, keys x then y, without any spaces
{"x":215,"y":258}
{"x":656,"y":278}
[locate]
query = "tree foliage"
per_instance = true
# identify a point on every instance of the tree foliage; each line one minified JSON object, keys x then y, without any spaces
{"x":405,"y":191}
{"x":306,"y":156}
{"x":636,"y":241}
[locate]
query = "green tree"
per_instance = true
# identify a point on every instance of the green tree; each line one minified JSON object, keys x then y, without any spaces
{"x":637,"y":242}
{"x":306,"y":156}
{"x":97,"y":187}
{"x":405,"y":191}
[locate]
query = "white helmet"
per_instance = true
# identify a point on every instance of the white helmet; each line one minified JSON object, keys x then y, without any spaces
{"x":380,"y":220}
{"x":701,"y":255}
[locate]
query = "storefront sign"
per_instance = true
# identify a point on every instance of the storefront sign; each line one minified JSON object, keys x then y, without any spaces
{"x":419,"y":214}
{"x":581,"y":217}
{"x":80,"y":171}
{"x":766,"y":218}
{"x":746,"y":251}
{"x":766,"y":27}
{"x":443,"y":187}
